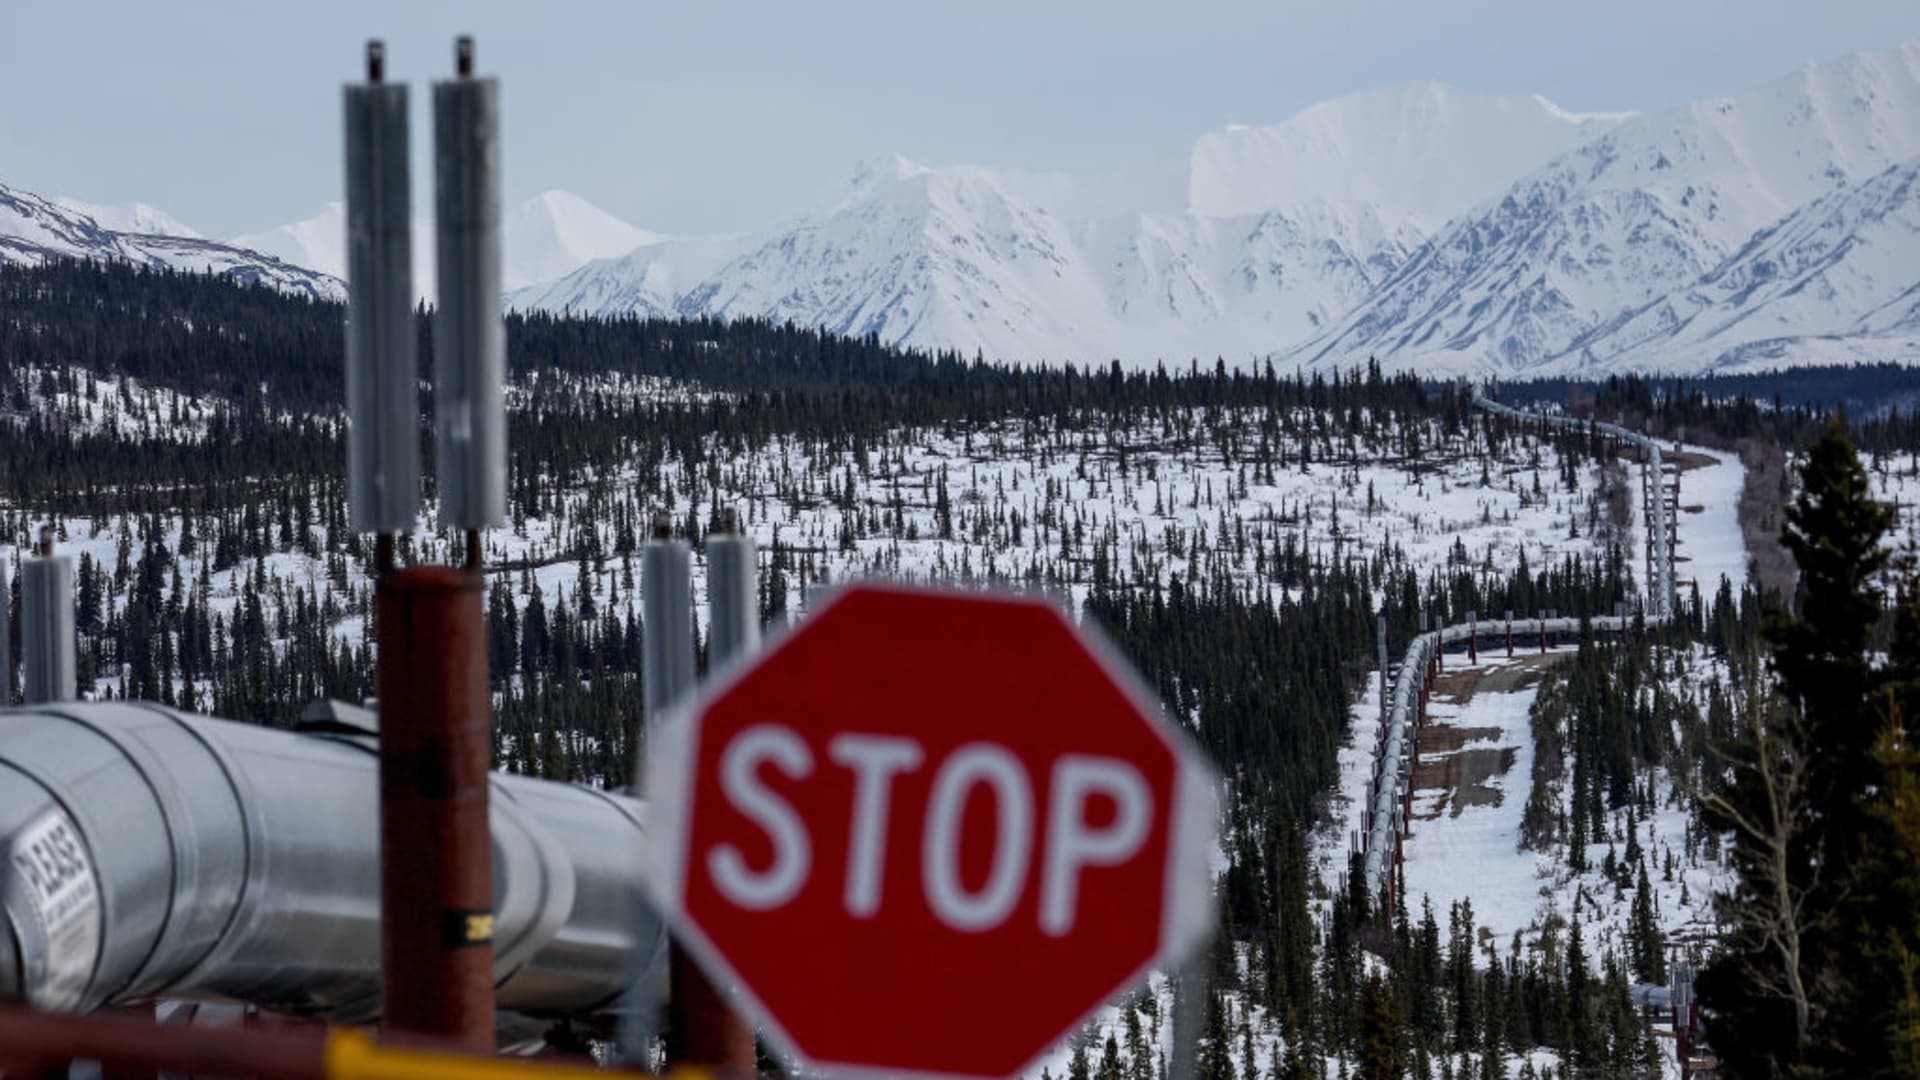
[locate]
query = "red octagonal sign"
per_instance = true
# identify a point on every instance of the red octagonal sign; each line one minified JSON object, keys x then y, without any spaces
{"x":929,"y":832}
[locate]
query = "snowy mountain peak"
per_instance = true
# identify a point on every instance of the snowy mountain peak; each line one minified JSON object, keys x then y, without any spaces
{"x":1424,"y":147}
{"x":34,"y":230}
{"x":545,"y":238}
{"x":880,"y":170}
{"x":130,"y":217}
{"x":556,"y":232}
{"x":1584,"y":264}
{"x":1422,"y":224}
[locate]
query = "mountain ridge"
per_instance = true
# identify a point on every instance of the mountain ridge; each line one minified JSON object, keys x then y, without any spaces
{"x":1420,"y":225}
{"x":34,"y":229}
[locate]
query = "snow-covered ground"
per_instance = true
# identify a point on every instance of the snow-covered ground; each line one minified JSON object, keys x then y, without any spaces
{"x":92,"y":403}
{"x":1710,"y":542}
{"x":1160,"y":501}
{"x":1467,"y":800}
{"x":1470,"y":790}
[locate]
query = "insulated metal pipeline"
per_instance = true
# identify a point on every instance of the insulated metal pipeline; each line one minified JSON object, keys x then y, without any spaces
{"x":1660,"y":587}
{"x":154,"y":853}
{"x":1391,"y":777}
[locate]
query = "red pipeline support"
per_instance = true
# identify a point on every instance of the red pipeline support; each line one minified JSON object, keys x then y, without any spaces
{"x":33,"y":1042}
{"x":436,"y":856}
{"x":704,"y":1030}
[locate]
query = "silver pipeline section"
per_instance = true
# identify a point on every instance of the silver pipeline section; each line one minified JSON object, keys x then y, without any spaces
{"x":154,"y":853}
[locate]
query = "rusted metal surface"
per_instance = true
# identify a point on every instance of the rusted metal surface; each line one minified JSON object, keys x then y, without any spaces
{"x":702,"y":1027}
{"x":131,"y":1044}
{"x":35,"y":1042}
{"x":436,"y":859}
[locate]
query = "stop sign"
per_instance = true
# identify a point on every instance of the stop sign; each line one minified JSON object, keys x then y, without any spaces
{"x":929,"y":832}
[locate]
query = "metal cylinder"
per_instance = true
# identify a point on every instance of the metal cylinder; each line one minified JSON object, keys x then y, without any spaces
{"x":1380,"y":637}
{"x":206,"y":860}
{"x":46,"y":629}
{"x":666,"y":601}
{"x":436,"y":874}
{"x":704,"y":1028}
{"x":469,"y":338}
{"x":701,"y":1028}
{"x":383,"y":397}
{"x":6,"y":638}
{"x":732,"y":602}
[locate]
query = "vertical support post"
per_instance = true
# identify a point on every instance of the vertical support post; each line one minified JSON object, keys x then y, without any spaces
{"x":732,"y":600}
{"x":666,"y":601}
{"x":701,"y":1028}
{"x":1541,"y":621}
{"x":704,"y":1029}
{"x":47,"y":666}
{"x":436,"y":849}
{"x":1473,"y":637}
{"x":6,"y":637}
{"x":1380,"y":634}
{"x":1189,"y":1013}
{"x":1509,"y":633}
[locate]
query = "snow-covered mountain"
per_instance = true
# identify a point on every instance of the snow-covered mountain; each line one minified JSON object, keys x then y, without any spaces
{"x":556,"y":232}
{"x":1834,"y":282}
{"x":1426,"y":149}
{"x":1529,"y":280}
{"x":648,"y":281}
{"x":1422,"y":225}
{"x":1429,"y":227}
{"x":1280,"y":231}
{"x":131,"y":218}
{"x":34,"y":229}
{"x":543,"y":238}
{"x":974,"y":259}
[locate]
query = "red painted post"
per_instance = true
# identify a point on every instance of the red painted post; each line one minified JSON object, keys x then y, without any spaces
{"x":436,"y":854}
{"x":704,"y":1030}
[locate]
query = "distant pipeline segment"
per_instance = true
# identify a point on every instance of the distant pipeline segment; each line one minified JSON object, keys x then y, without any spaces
{"x":1383,"y":817}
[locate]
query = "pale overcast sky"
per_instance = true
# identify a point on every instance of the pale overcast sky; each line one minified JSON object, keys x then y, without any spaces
{"x":714,"y":115}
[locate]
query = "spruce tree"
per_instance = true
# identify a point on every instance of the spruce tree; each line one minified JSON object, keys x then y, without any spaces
{"x":1383,"y":1037}
{"x":1783,"y":995}
{"x":1835,"y":532}
{"x":1887,"y":891}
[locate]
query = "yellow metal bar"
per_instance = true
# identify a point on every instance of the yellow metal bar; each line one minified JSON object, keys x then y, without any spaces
{"x":352,"y":1055}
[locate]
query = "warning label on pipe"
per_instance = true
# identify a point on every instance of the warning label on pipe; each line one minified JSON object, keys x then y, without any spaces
{"x":53,"y":874}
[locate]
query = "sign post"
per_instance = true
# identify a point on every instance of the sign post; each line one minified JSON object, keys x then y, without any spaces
{"x":929,"y":832}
